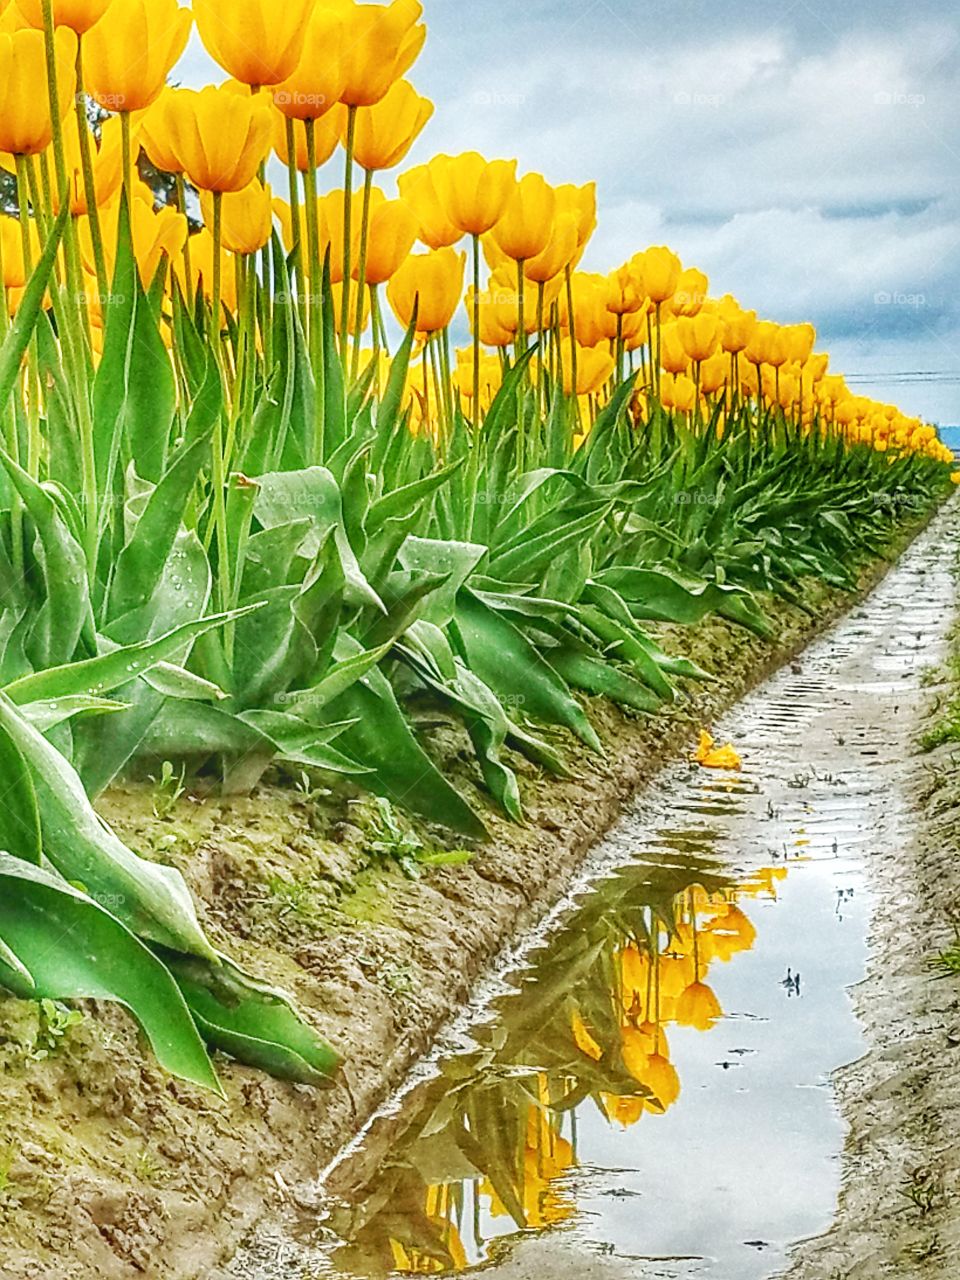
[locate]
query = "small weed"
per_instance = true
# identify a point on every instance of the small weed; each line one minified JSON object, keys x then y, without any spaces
{"x":167,"y":789}
{"x":148,"y":1170}
{"x":923,"y":1190}
{"x":947,"y":963}
{"x":54,"y":1023}
{"x":294,"y":898}
{"x":393,"y":842}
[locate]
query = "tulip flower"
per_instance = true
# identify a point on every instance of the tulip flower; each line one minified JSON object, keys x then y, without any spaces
{"x":431,"y":283}
{"x":218,"y":138}
{"x":662,"y":1079}
{"x":582,"y":203}
{"x":594,"y":366}
{"x":710,"y":756}
{"x":700,"y":335}
{"x":78,"y":15}
{"x":698,"y":1007}
{"x":326,"y":135}
{"x":258,"y":42}
{"x":418,"y":190}
{"x":661,"y":274}
{"x":247,"y":217}
{"x":524,"y":229}
{"x":132,"y":49}
{"x":473,"y":192}
{"x":313,"y":84}
{"x":799,"y":339}
{"x":738,"y":326}
{"x":380,"y":45}
{"x":559,"y":251}
{"x":690,"y":294}
{"x":673,"y":354}
{"x":767,"y":345}
{"x":26,"y":123}
{"x":386,"y":132}
{"x":393,"y":231}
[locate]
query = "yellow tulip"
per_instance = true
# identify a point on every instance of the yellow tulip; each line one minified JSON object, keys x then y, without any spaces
{"x":78,"y":15}
{"x":26,"y":124}
{"x":594,"y":369}
{"x":710,"y":756}
{"x":130,"y":52}
{"x":258,"y":42}
{"x":661,"y":273}
{"x":767,"y":345}
{"x":247,"y":217}
{"x":558,"y":253}
{"x":799,"y":339}
{"x":662,"y":1079}
{"x":326,"y":138}
{"x":330,"y":215}
{"x":11,"y":248}
{"x":699,"y":335}
{"x":673,"y":354}
{"x":698,"y":1007}
{"x":417,"y":188}
{"x":380,"y":44}
{"x":393,"y":231}
{"x":582,"y":203}
{"x":491,"y":373}
{"x":431,"y":283}
{"x":624,"y":292}
{"x":690,"y":294}
{"x":714,"y":373}
{"x":386,"y":132}
{"x":738,"y":326}
{"x":473,"y":192}
{"x":219,"y":137}
{"x":498,"y":320}
{"x":312,"y":86}
{"x":523,"y":232}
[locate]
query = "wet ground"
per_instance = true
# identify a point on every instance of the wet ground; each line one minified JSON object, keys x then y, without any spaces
{"x":647,"y":1090}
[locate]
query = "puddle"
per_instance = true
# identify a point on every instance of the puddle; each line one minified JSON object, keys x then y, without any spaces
{"x":652,"y":1074}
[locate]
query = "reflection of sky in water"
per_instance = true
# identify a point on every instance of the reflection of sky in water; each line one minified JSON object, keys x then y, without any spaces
{"x":749,"y":1153}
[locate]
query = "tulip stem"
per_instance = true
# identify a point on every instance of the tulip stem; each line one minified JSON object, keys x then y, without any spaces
{"x":219,"y":460}
{"x":362,"y":271}
{"x":89,"y":181}
{"x":296,"y":236}
{"x":572,"y":328}
{"x":476,"y":330}
{"x":187,"y":257}
{"x":521,"y":323}
{"x":347,"y":233}
{"x":126,"y":148}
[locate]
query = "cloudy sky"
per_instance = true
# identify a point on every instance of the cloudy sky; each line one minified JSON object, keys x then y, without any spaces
{"x":806,"y":155}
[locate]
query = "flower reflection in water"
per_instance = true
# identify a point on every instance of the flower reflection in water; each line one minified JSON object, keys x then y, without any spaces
{"x":487,"y":1149}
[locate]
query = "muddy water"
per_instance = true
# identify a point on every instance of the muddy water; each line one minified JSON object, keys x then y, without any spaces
{"x":649,"y":1080}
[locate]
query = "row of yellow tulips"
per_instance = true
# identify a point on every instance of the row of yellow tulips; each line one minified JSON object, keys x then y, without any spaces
{"x":314,"y":75}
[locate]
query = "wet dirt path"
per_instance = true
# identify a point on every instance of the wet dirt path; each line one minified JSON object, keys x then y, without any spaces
{"x":646,"y":1089}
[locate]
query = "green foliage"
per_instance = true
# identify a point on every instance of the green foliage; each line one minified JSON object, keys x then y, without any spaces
{"x":287,"y":574}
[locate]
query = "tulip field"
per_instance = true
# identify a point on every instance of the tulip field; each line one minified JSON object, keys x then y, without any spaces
{"x":295,"y":439}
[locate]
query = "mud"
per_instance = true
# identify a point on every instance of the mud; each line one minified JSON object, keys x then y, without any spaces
{"x":109,"y":1168}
